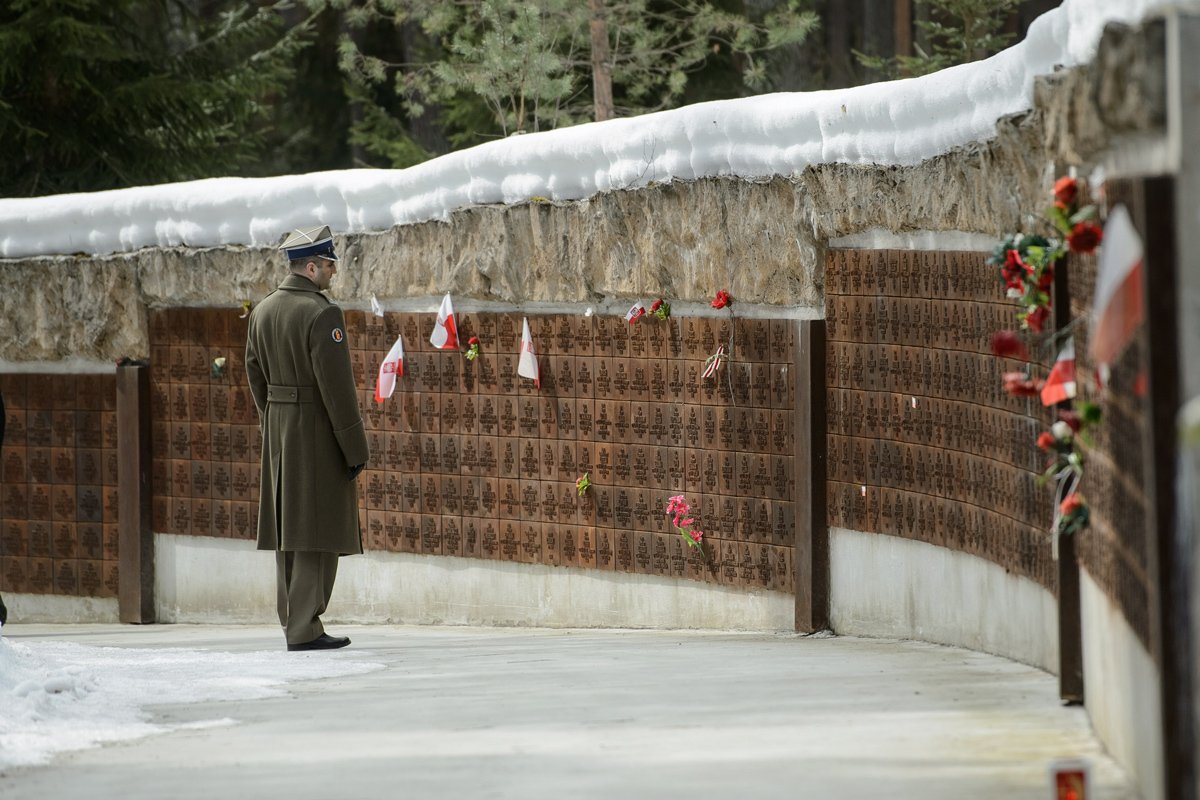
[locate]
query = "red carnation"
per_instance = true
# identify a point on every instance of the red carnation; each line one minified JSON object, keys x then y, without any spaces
{"x":1046,"y":440}
{"x":1006,"y":344}
{"x":1084,"y":237}
{"x":1036,"y":319}
{"x":721,"y":300}
{"x":657,"y":304}
{"x":1066,"y":190}
{"x":1072,"y":419}
{"x":473,"y":340}
{"x":1071,"y":504}
{"x":1046,"y":280}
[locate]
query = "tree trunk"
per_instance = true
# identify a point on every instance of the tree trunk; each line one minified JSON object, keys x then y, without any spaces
{"x":602,"y":90}
{"x":837,"y":39}
{"x":878,"y":27}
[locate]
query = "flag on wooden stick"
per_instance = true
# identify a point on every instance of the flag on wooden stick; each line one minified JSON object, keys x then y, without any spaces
{"x":445,"y":331}
{"x":1060,"y":383}
{"x":391,"y":368}
{"x":527,"y":366}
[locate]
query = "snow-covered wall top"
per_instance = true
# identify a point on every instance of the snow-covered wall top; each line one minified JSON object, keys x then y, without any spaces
{"x":896,"y":123}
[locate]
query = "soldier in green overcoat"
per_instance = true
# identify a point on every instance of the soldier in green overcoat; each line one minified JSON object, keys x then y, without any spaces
{"x":314,"y":443}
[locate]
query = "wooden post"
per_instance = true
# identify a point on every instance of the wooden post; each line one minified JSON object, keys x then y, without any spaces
{"x":1161,"y":359}
{"x":135,"y":595}
{"x":812,"y":531}
{"x":1070,"y":622}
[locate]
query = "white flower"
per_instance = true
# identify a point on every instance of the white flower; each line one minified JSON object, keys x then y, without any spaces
{"x":1014,"y":294}
{"x":1062,"y":431}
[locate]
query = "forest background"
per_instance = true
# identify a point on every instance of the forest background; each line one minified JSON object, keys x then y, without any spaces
{"x":102,"y":94}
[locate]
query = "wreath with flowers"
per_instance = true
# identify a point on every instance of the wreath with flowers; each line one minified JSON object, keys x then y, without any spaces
{"x":1027,"y":265}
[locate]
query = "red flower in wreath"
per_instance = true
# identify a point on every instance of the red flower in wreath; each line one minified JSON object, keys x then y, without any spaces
{"x":1046,"y":440}
{"x":1066,"y":191}
{"x":721,"y":300}
{"x":1084,"y":237}
{"x":1036,"y":319}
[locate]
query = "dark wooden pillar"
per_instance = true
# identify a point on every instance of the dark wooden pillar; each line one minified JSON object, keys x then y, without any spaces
{"x":1070,"y":621}
{"x":135,"y":536}
{"x":1168,"y":555}
{"x":812,"y":531}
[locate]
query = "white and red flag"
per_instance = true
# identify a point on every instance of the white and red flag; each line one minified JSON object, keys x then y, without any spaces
{"x":713,"y":363}
{"x":391,"y":368}
{"x":445,"y":331}
{"x":1060,"y":383}
{"x":1118,"y":308}
{"x":636,"y":312}
{"x":527,"y":365}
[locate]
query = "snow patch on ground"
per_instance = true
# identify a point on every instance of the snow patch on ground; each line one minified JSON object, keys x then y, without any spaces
{"x":60,"y":696}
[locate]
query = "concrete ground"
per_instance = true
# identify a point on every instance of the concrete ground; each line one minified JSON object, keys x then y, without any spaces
{"x":530,"y":713}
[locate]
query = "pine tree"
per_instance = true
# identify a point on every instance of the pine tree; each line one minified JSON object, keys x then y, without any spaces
{"x":958,"y":32}
{"x":533,"y":63}
{"x":98,"y":94}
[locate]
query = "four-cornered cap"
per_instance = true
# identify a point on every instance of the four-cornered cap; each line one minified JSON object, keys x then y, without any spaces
{"x":316,"y":242}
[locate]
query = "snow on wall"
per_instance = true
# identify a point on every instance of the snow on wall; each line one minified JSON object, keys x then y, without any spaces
{"x":896,"y":123}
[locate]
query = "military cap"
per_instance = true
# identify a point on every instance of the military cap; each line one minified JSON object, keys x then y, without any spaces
{"x":312,"y":242}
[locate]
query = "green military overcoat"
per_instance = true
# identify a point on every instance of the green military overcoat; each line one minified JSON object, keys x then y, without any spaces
{"x":298,"y":364}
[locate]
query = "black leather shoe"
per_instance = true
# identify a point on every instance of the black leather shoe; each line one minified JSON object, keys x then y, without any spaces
{"x":322,"y":642}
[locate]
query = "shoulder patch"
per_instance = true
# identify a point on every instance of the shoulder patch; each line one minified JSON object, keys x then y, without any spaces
{"x":338,"y":335}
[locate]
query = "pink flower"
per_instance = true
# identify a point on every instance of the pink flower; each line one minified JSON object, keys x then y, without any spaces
{"x":687,"y":523}
{"x":1018,"y":385}
{"x":696,"y":536}
{"x":677,"y":505}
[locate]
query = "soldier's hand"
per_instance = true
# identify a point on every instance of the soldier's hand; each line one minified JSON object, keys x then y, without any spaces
{"x":355,"y":470}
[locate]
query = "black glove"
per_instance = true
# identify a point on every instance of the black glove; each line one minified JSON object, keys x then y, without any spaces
{"x":355,"y":470}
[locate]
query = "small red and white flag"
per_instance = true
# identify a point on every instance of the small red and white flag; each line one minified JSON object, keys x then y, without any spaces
{"x":445,"y":332}
{"x":1118,"y":308}
{"x":714,"y":362}
{"x":527,"y":365}
{"x":1060,"y":383}
{"x":635,"y":313}
{"x":391,"y":368}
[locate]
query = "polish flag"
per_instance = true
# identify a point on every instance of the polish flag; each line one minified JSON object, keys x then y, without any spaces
{"x":1060,"y":383}
{"x":527,"y":366}
{"x":636,"y":312}
{"x":445,"y":332}
{"x":1118,"y":308}
{"x":391,"y":368}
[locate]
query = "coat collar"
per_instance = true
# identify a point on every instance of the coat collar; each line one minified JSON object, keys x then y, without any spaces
{"x":298,"y":283}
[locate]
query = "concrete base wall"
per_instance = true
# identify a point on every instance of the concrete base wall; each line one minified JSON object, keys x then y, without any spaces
{"x":58,"y":608}
{"x":1121,"y":690}
{"x":219,"y":580}
{"x":891,"y":587}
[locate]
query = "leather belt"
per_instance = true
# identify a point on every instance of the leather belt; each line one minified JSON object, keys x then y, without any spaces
{"x":289,"y":394}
